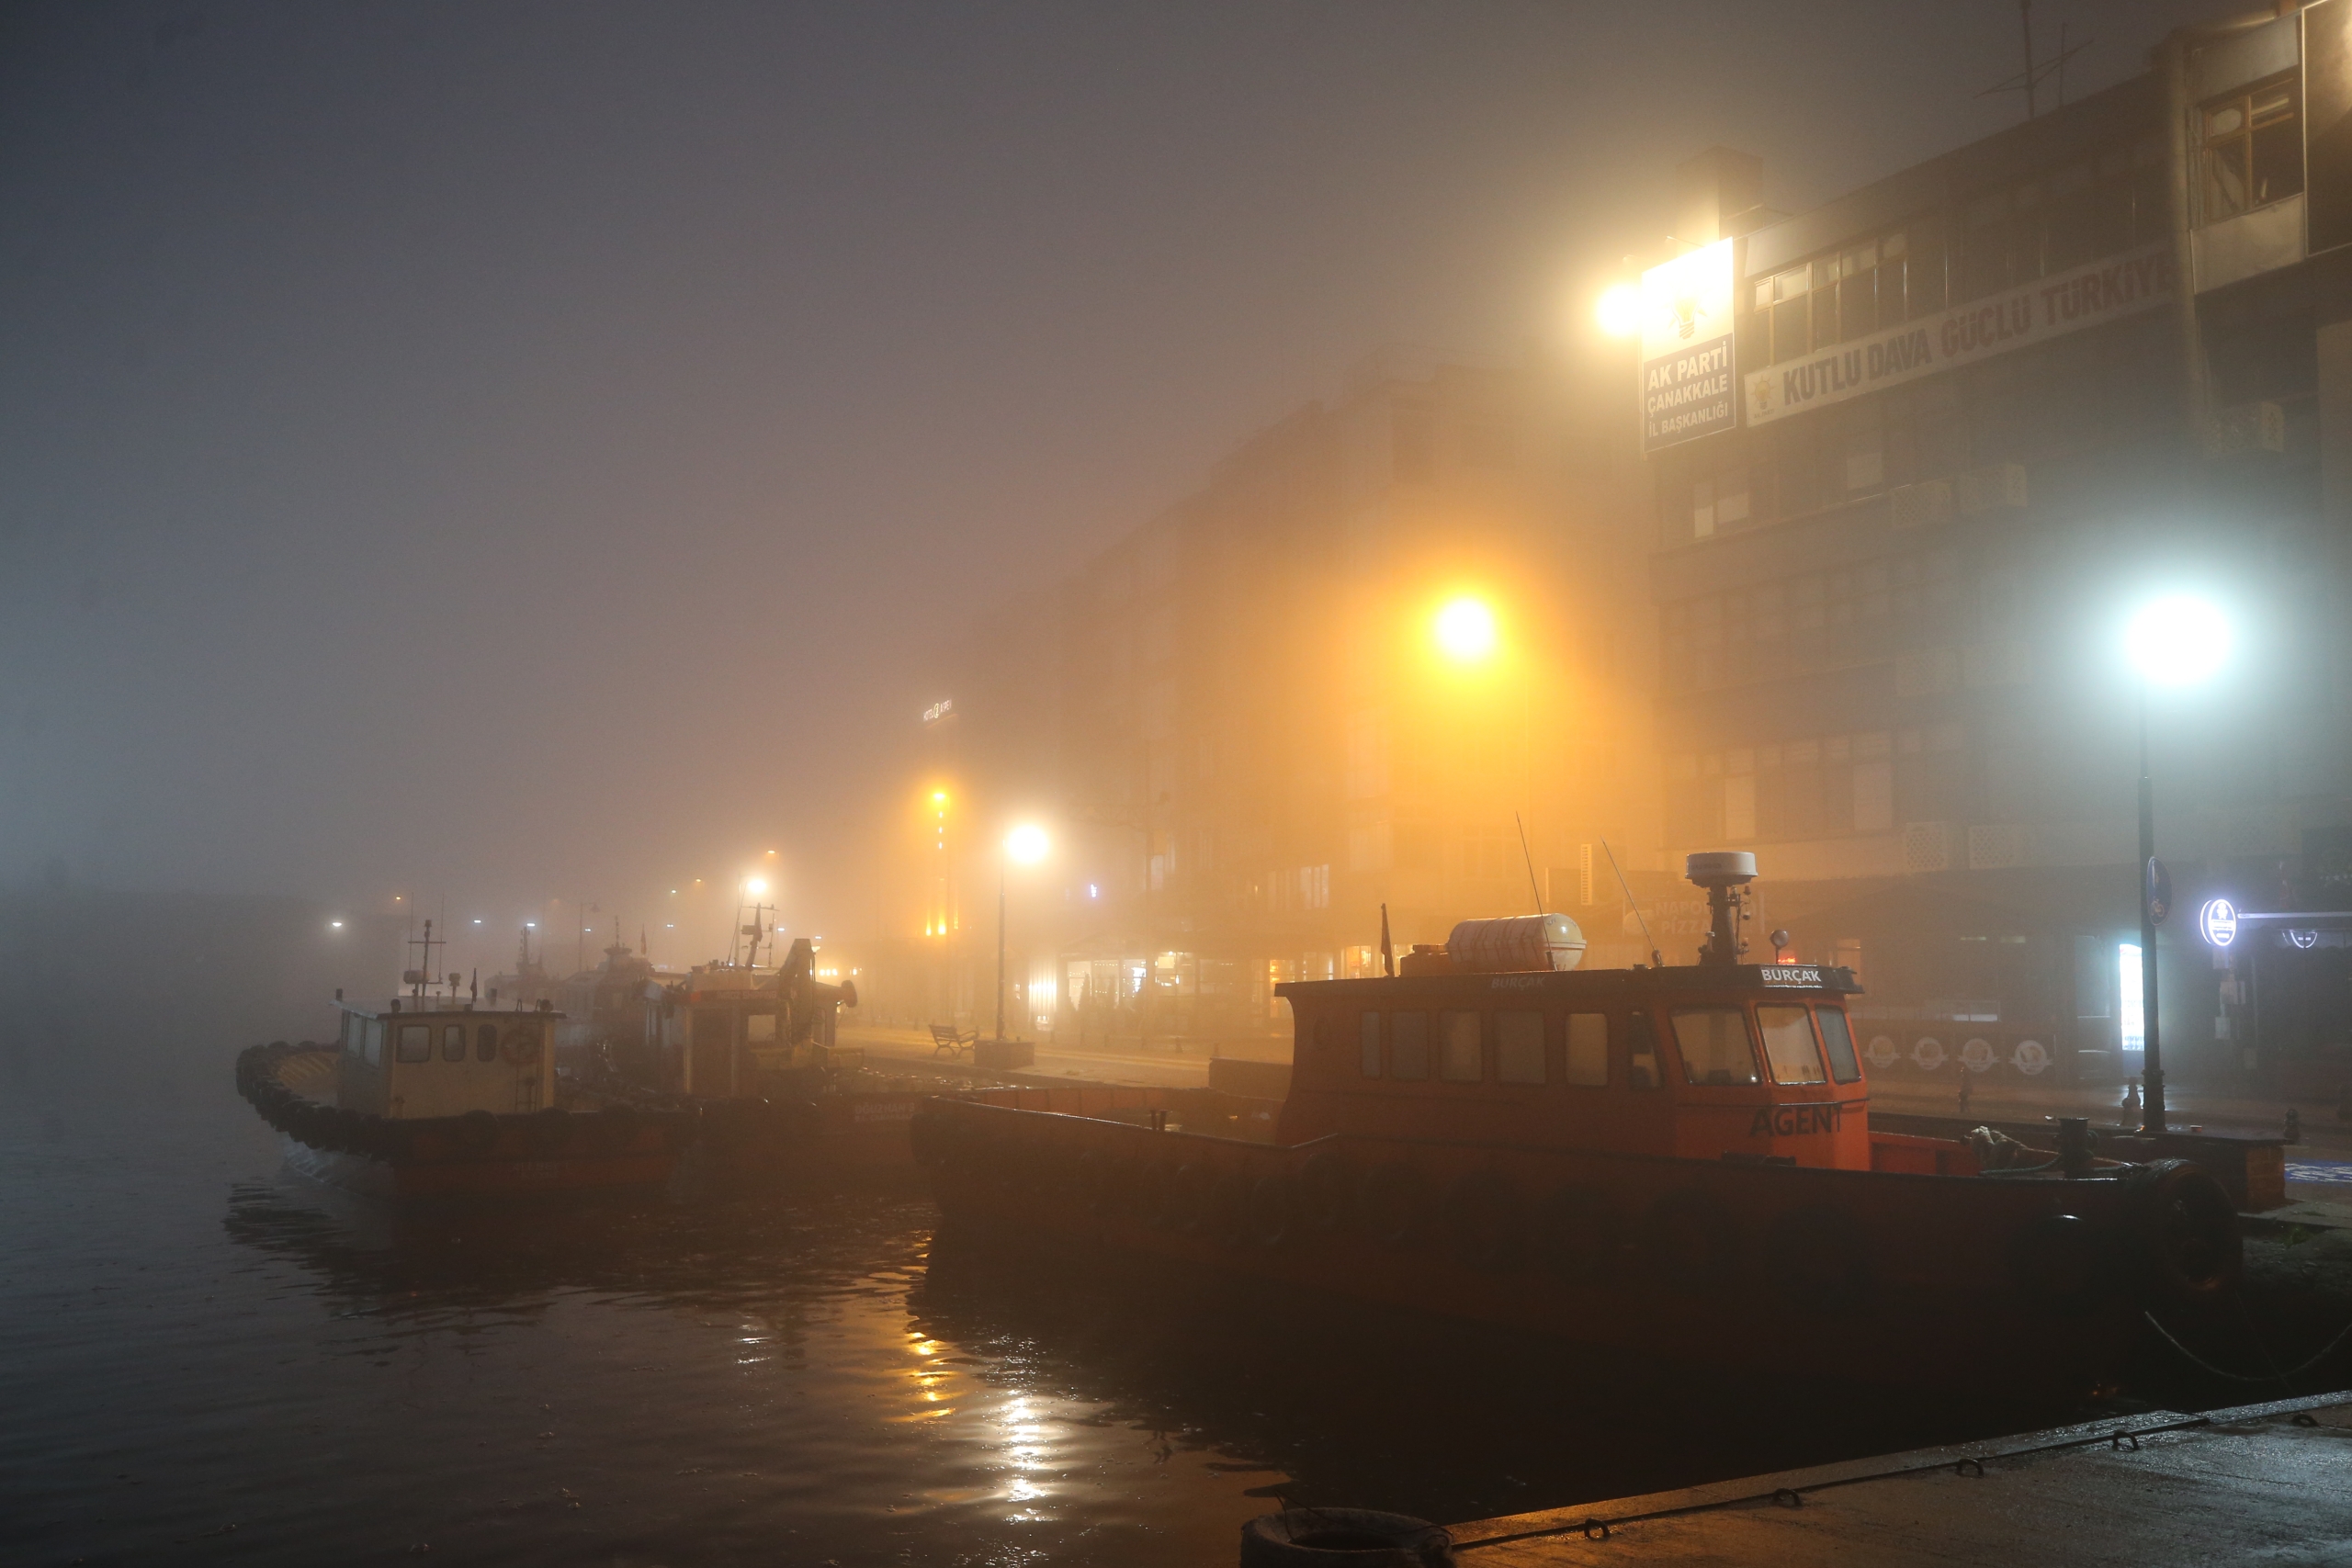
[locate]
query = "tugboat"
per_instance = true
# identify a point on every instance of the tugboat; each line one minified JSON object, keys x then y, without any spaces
{"x":432,"y":1095}
{"x":1674,"y":1160}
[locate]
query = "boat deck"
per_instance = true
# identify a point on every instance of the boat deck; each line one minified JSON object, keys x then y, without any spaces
{"x":2269,"y":1483}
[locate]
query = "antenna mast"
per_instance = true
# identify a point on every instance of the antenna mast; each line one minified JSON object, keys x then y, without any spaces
{"x":1533,"y":886}
{"x":1657,"y":959}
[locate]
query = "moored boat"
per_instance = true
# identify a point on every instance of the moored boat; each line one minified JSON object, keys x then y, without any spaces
{"x":429,"y":1098}
{"x":1668,"y":1159}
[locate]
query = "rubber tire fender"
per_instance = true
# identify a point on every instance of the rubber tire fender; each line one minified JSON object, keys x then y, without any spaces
{"x":1271,"y":1219}
{"x":1690,"y":1241}
{"x":1188,"y":1198}
{"x":1226,"y":1212}
{"x":1155,"y":1195}
{"x":550,"y":1132}
{"x":1344,"y":1538}
{"x":1327,"y":1185}
{"x":1819,"y":1259}
{"x":475,"y":1134}
{"x":2183,"y":1229}
{"x":1579,"y":1235}
{"x":1394,"y":1205}
{"x":1484,"y":1220}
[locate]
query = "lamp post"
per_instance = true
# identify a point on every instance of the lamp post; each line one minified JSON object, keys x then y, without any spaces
{"x":2173,"y":642}
{"x":1027,"y":844}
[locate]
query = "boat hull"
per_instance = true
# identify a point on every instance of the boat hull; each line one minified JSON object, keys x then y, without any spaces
{"x":1870,"y":1276}
{"x":493,"y":1178}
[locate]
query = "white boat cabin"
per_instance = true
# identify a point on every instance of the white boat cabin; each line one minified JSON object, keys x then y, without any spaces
{"x":419,"y":1058}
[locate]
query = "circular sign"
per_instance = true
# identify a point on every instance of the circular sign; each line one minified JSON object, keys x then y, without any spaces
{"x":1880,"y":1051}
{"x":1928,"y":1053}
{"x":1976,"y":1055}
{"x":2217,"y":919}
{"x":2159,"y":891}
{"x":2030,"y":1057}
{"x":2305,"y":940}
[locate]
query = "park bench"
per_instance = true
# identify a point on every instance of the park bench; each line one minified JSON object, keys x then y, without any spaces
{"x":944,"y":1037}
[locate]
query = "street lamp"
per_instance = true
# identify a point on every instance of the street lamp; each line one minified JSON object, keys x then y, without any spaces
{"x":1028,"y":845}
{"x":2175,"y":641}
{"x":1464,"y":630}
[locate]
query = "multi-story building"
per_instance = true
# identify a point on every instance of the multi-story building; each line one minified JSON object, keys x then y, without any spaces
{"x":1983,"y":407}
{"x":1389,"y":633}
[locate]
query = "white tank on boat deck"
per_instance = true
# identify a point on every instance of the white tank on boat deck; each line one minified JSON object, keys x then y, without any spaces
{"x":1515,"y":943}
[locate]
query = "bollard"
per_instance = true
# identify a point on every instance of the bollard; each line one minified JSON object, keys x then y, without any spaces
{"x":2075,"y":1147}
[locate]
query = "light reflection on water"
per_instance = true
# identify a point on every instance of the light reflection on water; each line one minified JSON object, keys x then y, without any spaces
{"x":202,"y":1357}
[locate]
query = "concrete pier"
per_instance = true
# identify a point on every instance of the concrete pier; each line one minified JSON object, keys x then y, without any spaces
{"x":2268,"y":1482}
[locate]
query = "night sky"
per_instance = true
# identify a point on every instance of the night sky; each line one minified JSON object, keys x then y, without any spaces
{"x":516,"y":450}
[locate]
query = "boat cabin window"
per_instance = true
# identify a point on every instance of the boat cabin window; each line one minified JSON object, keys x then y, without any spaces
{"x":414,"y":1043}
{"x":1789,"y":1045}
{"x":1713,"y":1042}
{"x":1519,"y":1047}
{"x":1641,"y":1053}
{"x":1843,"y":1066}
{"x":1463,"y":1059}
{"x":453,"y":1043}
{"x":486,"y":1042}
{"x":372,"y":1052}
{"x":1408,"y":1044}
{"x":1589,"y":1051}
{"x":1368,"y":1030}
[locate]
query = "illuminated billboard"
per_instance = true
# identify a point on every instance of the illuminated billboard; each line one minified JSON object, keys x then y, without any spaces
{"x":1690,"y":385}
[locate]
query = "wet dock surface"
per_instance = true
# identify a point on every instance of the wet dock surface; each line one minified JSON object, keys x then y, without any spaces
{"x":2268,"y":1483}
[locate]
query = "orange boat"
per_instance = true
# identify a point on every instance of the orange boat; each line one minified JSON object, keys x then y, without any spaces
{"x":1676,"y":1160}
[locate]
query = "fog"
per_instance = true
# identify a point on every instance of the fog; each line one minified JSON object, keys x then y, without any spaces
{"x":498,"y":455}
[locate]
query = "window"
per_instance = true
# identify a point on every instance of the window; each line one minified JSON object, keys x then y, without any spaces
{"x":1462,"y":1060}
{"x":1835,"y":1034}
{"x":1519,"y":1047}
{"x":1641,"y":1053}
{"x":1873,"y":796}
{"x":486,"y":1042}
{"x":416,"y":1042}
{"x":2253,"y":153}
{"x":1409,"y":1046}
{"x":453,"y":1043}
{"x":372,"y":1052}
{"x":1789,"y":1044}
{"x":1368,"y":1032}
{"x":1713,"y":1042}
{"x":1588,"y":1050}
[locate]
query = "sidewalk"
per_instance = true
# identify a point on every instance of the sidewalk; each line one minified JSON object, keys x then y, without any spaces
{"x":2324,"y":1136}
{"x":1151,"y":1071}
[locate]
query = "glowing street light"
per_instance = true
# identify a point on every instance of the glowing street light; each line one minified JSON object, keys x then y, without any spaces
{"x":757,"y":887}
{"x":1027,"y":844}
{"x":2175,"y":641}
{"x":2178,"y":640}
{"x":1619,"y":310}
{"x":1464,"y":630}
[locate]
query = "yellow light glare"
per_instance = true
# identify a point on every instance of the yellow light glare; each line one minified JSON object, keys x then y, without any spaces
{"x":939,"y":798}
{"x":1620,"y":311}
{"x":1466,"y":630}
{"x":1026,"y":844}
{"x":757,"y":888}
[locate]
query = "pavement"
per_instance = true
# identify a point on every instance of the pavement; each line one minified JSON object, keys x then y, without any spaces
{"x":1144,"y":1069}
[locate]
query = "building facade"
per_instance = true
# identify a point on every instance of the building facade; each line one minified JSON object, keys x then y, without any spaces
{"x":1985,"y":406}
